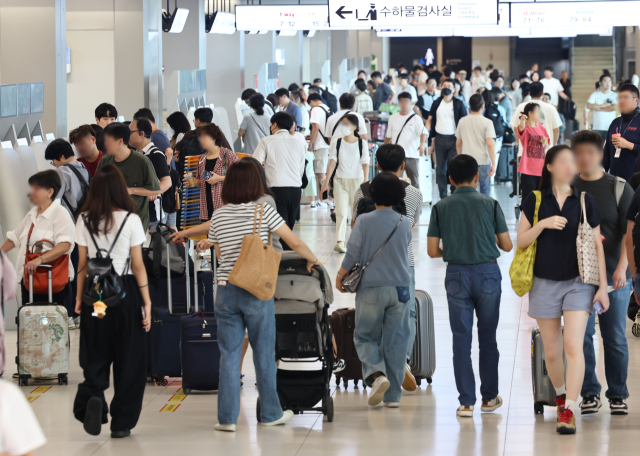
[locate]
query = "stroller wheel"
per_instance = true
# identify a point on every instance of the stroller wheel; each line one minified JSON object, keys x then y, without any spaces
{"x":345,"y":382}
{"x":258,"y":410}
{"x":329,"y":409}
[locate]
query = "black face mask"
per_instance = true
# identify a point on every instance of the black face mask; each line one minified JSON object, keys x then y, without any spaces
{"x":446,"y":91}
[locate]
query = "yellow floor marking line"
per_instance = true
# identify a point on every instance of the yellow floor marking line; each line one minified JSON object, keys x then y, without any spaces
{"x":41,"y":390}
{"x":179,"y":391}
{"x":170,"y":408}
{"x":301,"y":224}
{"x":31,"y":398}
{"x":325,"y":257}
{"x":177,"y":398}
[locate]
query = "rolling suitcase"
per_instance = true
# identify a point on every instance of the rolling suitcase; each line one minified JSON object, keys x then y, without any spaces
{"x":200,"y":354}
{"x":43,"y":339}
{"x":543,"y":391}
{"x":504,"y":172}
{"x":343,"y":324}
{"x":423,"y":358}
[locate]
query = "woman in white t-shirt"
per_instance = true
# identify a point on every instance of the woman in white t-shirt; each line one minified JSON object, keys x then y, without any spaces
{"x":118,"y":338}
{"x":349,"y":157}
{"x":236,"y":308}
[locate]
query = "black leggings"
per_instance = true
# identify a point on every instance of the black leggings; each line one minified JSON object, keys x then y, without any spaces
{"x":117,"y":339}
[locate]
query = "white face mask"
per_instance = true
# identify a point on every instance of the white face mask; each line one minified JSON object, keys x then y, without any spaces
{"x":346,"y":131}
{"x":170,"y":131}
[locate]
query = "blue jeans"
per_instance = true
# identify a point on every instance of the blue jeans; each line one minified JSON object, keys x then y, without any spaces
{"x":474,"y":287}
{"x":412,"y":312}
{"x":484,"y":182}
{"x":237,"y":309}
{"x":613,"y":324}
{"x":381,"y":336}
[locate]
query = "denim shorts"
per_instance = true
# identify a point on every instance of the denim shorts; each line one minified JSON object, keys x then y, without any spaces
{"x":549,"y":298}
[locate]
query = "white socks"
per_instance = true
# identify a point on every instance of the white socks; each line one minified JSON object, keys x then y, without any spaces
{"x":560,"y":391}
{"x":572,"y":405}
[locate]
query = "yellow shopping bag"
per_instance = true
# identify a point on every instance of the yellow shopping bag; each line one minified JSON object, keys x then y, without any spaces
{"x":521,"y":269}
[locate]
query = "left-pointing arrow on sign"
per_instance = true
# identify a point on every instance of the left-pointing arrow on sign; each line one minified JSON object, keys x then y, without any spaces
{"x":341,"y":12}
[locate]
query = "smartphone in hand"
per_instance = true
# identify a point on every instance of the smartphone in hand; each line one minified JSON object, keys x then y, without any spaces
{"x":206,"y":175}
{"x":598,"y":307}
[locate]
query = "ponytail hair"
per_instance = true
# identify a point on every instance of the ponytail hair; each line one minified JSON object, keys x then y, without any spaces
{"x":257,"y":103}
{"x":546,"y":179}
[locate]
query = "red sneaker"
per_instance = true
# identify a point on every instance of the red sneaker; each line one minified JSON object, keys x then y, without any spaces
{"x":560,"y":400}
{"x":566,"y":422}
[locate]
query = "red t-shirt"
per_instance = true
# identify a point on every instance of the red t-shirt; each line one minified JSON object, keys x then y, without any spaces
{"x":533,"y":149}
{"x":92,"y":166}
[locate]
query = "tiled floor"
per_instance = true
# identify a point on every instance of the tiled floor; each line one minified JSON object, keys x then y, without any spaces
{"x":424,"y":424}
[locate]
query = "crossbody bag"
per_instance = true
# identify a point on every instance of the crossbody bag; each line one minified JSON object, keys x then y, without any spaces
{"x":402,"y":129}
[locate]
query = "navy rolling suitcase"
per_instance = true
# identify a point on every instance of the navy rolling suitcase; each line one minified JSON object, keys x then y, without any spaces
{"x":199,"y":347}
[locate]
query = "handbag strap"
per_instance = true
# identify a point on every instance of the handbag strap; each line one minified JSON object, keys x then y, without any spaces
{"x":257,"y":124}
{"x":255,"y":217}
{"x":405,"y":124}
{"x":538,"y":201}
{"x":382,"y":247}
{"x":583,"y":208}
{"x":95,"y":243}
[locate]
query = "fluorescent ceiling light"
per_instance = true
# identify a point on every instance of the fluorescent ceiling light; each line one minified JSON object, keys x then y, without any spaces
{"x":174,"y":23}
{"x":221,"y":23}
{"x":286,"y":32}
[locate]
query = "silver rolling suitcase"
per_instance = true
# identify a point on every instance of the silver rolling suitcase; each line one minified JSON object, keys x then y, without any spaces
{"x":43,"y":340}
{"x":543,"y":391}
{"x":423,"y":358}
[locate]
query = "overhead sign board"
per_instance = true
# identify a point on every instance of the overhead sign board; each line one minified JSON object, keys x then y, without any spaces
{"x":281,"y":17}
{"x":411,"y":13}
{"x":572,"y":14}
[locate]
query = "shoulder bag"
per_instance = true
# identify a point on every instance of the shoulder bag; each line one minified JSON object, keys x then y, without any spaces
{"x":521,"y":269}
{"x":352,"y":281}
{"x":59,"y":269}
{"x":256,"y":269}
{"x":586,"y":247}
{"x":405,"y":124}
{"x":103,"y":282}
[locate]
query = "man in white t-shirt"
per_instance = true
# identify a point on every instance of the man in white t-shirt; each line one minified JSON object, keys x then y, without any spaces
{"x":407,"y":130}
{"x":550,"y":117}
{"x":347,"y":103}
{"x":406,"y":87}
{"x":466,"y":85}
{"x":552,"y":86}
{"x":603,"y":103}
{"x":475,"y":136}
{"x":20,"y":432}
{"x":318,"y":142}
{"x":476,"y":79}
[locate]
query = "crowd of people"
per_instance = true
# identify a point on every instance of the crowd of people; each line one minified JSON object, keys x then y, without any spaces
{"x":123,"y":180}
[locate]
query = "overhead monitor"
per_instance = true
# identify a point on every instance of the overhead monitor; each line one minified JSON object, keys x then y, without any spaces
{"x":408,"y":13}
{"x":282,"y":17}
{"x":37,"y":97}
{"x":24,"y":99}
{"x":574,"y":14}
{"x":8,"y":100}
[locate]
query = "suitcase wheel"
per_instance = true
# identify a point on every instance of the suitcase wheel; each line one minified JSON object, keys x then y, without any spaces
{"x":186,"y":390}
{"x":338,"y":381}
{"x":418,"y":381}
{"x":63,"y":379}
{"x":329,"y":409}
{"x":258,"y":410}
{"x":517,"y":211}
{"x":23,"y":380}
{"x":538,"y":407}
{"x":429,"y":380}
{"x":345,"y":383}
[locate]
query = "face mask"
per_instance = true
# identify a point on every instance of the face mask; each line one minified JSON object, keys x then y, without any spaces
{"x":346,"y":131}
{"x":446,"y":91}
{"x":170,"y":131}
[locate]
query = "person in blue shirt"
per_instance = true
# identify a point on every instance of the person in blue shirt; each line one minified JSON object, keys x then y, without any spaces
{"x":288,"y":106}
{"x":623,"y":138}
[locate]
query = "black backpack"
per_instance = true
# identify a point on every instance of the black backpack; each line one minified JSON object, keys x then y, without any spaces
{"x":103,"y":282}
{"x":366,"y":204}
{"x":491,"y":112}
{"x":168,"y":197}
{"x":85,"y":191}
{"x":331,"y":100}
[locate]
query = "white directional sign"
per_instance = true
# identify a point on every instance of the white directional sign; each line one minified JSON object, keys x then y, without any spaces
{"x":572,"y":14}
{"x":411,"y":13}
{"x":281,"y":17}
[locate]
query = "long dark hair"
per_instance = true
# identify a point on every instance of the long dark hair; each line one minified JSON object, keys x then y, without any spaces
{"x":545,"y":180}
{"x":179,"y":123}
{"x":257,"y":103}
{"x":108,"y":193}
{"x":263,"y":176}
{"x":354,"y":121}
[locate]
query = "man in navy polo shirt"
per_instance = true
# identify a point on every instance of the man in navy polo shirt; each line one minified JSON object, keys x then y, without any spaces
{"x":623,"y":138}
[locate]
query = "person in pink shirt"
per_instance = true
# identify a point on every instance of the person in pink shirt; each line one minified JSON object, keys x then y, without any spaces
{"x":535,"y":140}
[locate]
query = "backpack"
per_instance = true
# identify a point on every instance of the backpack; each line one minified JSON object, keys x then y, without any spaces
{"x":326,"y":140}
{"x":509,"y":136}
{"x":331,"y":100}
{"x":366,"y":204}
{"x":168,"y":200}
{"x":103,"y":282}
{"x":157,"y":256}
{"x":85,"y":191}
{"x":491,"y":112}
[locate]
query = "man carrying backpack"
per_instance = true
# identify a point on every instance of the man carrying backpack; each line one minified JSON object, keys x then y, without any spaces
{"x":391,"y":159}
{"x":75,"y":180}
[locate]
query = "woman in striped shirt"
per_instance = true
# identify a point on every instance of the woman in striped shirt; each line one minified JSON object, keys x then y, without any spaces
{"x":236,"y":308}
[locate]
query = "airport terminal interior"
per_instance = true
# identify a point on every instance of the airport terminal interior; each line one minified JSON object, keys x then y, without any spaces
{"x":97,"y":75}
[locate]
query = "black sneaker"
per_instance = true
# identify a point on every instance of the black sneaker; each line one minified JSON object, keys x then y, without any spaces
{"x":93,"y":416}
{"x":618,"y":407}
{"x":590,"y":404}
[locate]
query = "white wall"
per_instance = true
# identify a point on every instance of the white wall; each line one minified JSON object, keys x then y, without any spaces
{"x":290,"y":71}
{"x":258,"y":49}
{"x":223,"y":74}
{"x":492,"y":50}
{"x":185,"y":51}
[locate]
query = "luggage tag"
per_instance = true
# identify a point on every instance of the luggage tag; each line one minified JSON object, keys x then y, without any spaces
{"x":618,"y":150}
{"x":403,"y":294}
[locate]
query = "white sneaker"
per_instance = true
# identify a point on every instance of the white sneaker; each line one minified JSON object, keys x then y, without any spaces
{"x":321,"y":204}
{"x":340,"y":247}
{"x":392,"y":404}
{"x":465,"y":411}
{"x":379,"y":387}
{"x":331,"y":204}
{"x":225,"y":427}
{"x":71,"y":323}
{"x":286,"y":417}
{"x":313,"y":205}
{"x":77,"y":320}
{"x":491,"y":405}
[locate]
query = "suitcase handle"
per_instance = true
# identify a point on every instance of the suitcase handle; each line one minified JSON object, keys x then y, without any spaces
{"x":49,"y":268}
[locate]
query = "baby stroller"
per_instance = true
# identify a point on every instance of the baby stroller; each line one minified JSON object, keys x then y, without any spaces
{"x":303,"y":334}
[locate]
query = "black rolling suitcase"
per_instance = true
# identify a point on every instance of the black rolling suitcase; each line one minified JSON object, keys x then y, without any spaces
{"x":343,"y":325}
{"x":200,"y":353}
{"x":504,"y":172}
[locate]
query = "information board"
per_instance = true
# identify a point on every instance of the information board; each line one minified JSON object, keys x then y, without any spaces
{"x":410,"y":13}
{"x":572,"y":14}
{"x":282,"y":17}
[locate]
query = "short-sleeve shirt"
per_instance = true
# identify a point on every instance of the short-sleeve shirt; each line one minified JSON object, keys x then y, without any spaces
{"x":159,"y":161}
{"x":552,"y":86}
{"x":160,"y":140}
{"x":92,"y":167}
{"x":467,"y":222}
{"x":533,"y":152}
{"x":409,"y":137}
{"x":132,"y":234}
{"x":602,"y":119}
{"x":231,"y":223}
{"x":556,"y":254}
{"x":256,"y":128}
{"x":350,"y":161}
{"x":614,"y":215}
{"x":550,"y":117}
{"x":138,"y":172}
{"x":474,"y":130}
{"x":20,"y":432}
{"x":319,"y":116}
